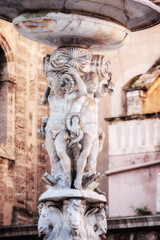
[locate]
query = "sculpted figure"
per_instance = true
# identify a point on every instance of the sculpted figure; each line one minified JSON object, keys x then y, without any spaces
{"x":93,"y":137}
{"x":55,"y":131}
{"x":76,"y":81}
{"x":89,"y":141}
{"x":65,"y":86}
{"x":98,"y":83}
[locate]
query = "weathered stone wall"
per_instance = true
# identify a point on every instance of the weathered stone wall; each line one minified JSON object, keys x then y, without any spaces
{"x":23,"y":161}
{"x":134,"y":163}
{"x":7,"y":196}
{"x":151,"y":102}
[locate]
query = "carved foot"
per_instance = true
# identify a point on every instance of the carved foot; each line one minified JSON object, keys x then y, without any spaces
{"x":49,"y":179}
{"x":69,"y":180}
{"x":77,"y":184}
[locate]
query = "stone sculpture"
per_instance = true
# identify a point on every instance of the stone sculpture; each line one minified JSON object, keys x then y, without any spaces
{"x":78,"y":221}
{"x":77,"y":79}
{"x":73,"y":208}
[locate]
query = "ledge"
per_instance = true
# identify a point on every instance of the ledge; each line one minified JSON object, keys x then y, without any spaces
{"x":133,"y":167}
{"x":134,"y":222}
{"x":15,"y":231}
{"x":127,"y":223}
{"x":134,"y":117}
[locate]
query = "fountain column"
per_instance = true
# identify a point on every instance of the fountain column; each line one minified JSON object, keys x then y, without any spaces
{"x":73,"y":207}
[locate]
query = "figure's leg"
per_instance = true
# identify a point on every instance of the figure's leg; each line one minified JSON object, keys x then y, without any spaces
{"x":81,"y":162}
{"x":61,"y":144}
{"x":92,"y":159}
{"x":50,"y":147}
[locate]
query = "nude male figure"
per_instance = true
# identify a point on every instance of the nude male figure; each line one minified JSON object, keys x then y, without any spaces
{"x":60,"y":103}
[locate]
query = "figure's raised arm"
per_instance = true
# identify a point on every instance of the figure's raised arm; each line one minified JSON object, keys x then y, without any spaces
{"x":82,"y":90}
{"x":45,"y":95}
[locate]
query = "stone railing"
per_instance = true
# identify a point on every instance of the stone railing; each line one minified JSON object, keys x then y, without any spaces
{"x":134,"y":136}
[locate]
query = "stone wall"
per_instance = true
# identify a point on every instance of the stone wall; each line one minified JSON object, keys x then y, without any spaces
{"x":134,"y":164}
{"x":22,"y":158}
{"x":151,"y":103}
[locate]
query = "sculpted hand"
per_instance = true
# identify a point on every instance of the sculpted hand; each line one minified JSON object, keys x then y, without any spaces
{"x":73,"y":71}
{"x":75,"y":129}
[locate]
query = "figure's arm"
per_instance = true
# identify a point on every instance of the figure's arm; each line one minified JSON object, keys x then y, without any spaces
{"x":82,"y":90}
{"x":105,"y":87}
{"x":45,"y":95}
{"x":41,"y":131}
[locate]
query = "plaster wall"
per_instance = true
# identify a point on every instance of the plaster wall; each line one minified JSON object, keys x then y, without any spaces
{"x":134,"y":163}
{"x":131,"y":190}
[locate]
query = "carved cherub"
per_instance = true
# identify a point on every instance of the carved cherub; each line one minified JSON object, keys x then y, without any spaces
{"x":98,"y":84}
{"x":74,"y":84}
{"x":63,"y":89}
{"x":90,"y":141}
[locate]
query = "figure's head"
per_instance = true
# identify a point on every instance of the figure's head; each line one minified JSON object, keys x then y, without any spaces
{"x":61,"y":84}
{"x":53,"y":82}
{"x":92,"y":83}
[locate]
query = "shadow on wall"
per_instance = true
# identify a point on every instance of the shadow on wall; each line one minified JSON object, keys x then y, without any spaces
{"x":4,"y":77}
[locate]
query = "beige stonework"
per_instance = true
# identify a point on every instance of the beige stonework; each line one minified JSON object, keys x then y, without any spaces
{"x":22,"y":158}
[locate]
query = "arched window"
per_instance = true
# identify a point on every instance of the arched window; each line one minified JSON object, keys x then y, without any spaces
{"x":4,"y":78}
